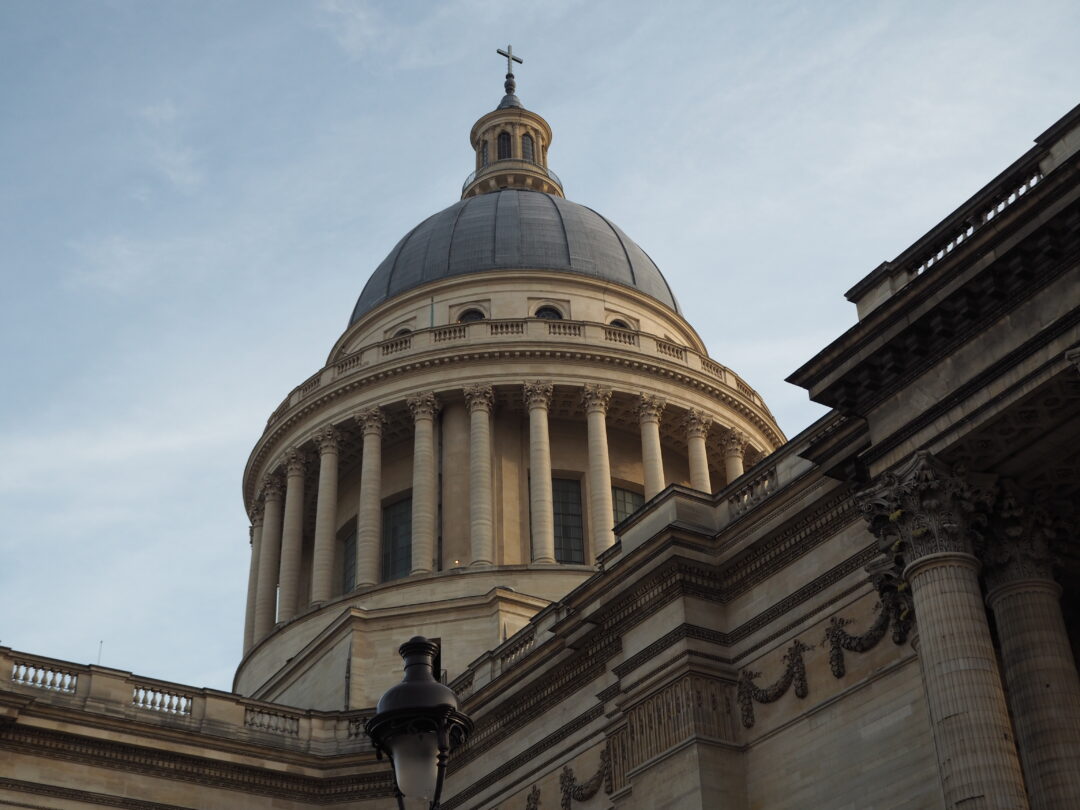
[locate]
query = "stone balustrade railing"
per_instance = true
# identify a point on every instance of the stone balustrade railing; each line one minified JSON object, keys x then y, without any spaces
{"x":956,"y":230}
{"x":507,"y":332}
{"x":101,"y":690}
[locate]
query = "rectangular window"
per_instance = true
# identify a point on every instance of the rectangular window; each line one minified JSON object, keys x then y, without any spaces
{"x":625,"y":502}
{"x":569,"y":532}
{"x":348,"y":563}
{"x":397,"y":539}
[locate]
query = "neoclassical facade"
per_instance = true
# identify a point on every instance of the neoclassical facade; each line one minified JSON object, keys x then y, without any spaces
{"x":646,"y":596}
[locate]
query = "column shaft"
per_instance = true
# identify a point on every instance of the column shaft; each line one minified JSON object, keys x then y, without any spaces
{"x":697,"y":425}
{"x":480,"y":400}
{"x":269,"y":557}
{"x":322,"y":563}
{"x":734,"y":446}
{"x":1044,"y":689}
{"x":601,"y":513}
{"x":652,"y":458}
{"x":253,"y":575}
{"x":369,"y":513}
{"x":292,"y":536}
{"x":977,"y":754}
{"x":424,"y":408}
{"x":541,"y":514}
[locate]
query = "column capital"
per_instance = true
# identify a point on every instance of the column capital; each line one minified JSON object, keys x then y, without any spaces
{"x":1021,"y":539}
{"x":924,"y":507}
{"x":328,"y":440}
{"x":371,"y":420}
{"x":273,"y":488}
{"x":256,"y":512}
{"x":295,"y":462}
{"x":423,"y":405}
{"x":480,"y":397}
{"x":697,"y":424}
{"x":1073,"y":356}
{"x":538,"y":394}
{"x":650,"y":407}
{"x":595,"y":398}
{"x":733,"y":443}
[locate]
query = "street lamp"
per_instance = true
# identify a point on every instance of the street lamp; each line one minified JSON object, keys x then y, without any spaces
{"x":417,"y":724}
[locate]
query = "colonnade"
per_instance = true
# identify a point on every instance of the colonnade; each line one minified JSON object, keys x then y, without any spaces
{"x":274,"y":584}
{"x":928,"y":514}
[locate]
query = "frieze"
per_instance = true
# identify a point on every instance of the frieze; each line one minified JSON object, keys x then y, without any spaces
{"x":187,"y":768}
{"x":282,"y":419}
{"x":76,"y":795}
{"x":574,"y":791}
{"x":509,"y":766}
{"x":794,"y":675}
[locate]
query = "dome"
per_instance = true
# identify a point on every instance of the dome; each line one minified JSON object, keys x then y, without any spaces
{"x":508,"y":229}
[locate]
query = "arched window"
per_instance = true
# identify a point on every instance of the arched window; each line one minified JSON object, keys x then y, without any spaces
{"x":620,"y":324}
{"x":402,"y":331}
{"x":470,"y":315}
{"x":548,"y":314}
{"x":483,"y":154}
{"x":504,"y":145}
{"x":527,"y":148}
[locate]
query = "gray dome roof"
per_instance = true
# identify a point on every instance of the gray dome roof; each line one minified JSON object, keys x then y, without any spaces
{"x":509,"y":229}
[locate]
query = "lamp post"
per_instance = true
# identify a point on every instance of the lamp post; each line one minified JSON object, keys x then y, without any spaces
{"x":417,"y":724}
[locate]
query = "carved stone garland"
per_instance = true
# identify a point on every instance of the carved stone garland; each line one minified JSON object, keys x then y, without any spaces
{"x":895,"y":609}
{"x":533,"y":800}
{"x":573,"y":791}
{"x":794,"y":673}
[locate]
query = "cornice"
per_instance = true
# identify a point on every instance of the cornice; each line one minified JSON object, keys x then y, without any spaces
{"x":728,"y":398}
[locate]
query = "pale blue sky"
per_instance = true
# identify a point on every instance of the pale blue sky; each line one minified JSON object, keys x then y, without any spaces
{"x":192,"y":195}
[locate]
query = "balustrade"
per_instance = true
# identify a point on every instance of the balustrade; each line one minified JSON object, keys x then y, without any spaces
{"x":156,"y":699}
{"x":44,"y":676}
{"x":287,"y":725}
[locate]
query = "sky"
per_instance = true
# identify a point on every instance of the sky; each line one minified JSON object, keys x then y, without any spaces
{"x":192,"y":195}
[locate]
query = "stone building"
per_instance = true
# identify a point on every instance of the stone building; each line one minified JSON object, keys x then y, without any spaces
{"x":647,"y":596}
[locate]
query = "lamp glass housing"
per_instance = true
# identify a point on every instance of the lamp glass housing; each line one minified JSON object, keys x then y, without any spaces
{"x":416,"y":769}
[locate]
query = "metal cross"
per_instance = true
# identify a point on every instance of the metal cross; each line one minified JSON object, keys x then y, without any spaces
{"x":510,"y":59}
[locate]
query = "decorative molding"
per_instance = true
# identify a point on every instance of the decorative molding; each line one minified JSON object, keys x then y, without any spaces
{"x":794,"y":674}
{"x":572,"y":790}
{"x":650,"y":407}
{"x":75,"y":795}
{"x":733,"y":443}
{"x":328,"y":440}
{"x":502,"y":769}
{"x":697,"y":423}
{"x":371,"y":420}
{"x":1072,"y":356}
{"x":295,"y":462}
{"x":1021,"y":540}
{"x":273,"y":488}
{"x":423,"y":405}
{"x":537,"y":394}
{"x":595,"y":398}
{"x":479,"y":397}
{"x":895,"y":609}
{"x":256,"y":513}
{"x":924,"y":508}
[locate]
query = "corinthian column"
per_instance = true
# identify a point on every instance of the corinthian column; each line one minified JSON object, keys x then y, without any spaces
{"x":652,"y":459}
{"x":292,"y":535}
{"x":269,"y":557}
{"x":481,"y":401}
{"x":601,"y":514}
{"x":369,"y":513}
{"x":322,"y":563}
{"x":926,"y":514}
{"x":697,"y":429}
{"x":424,"y":407}
{"x":1040,"y":671}
{"x":733,"y":445}
{"x":538,"y":400}
{"x":253,"y":574}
